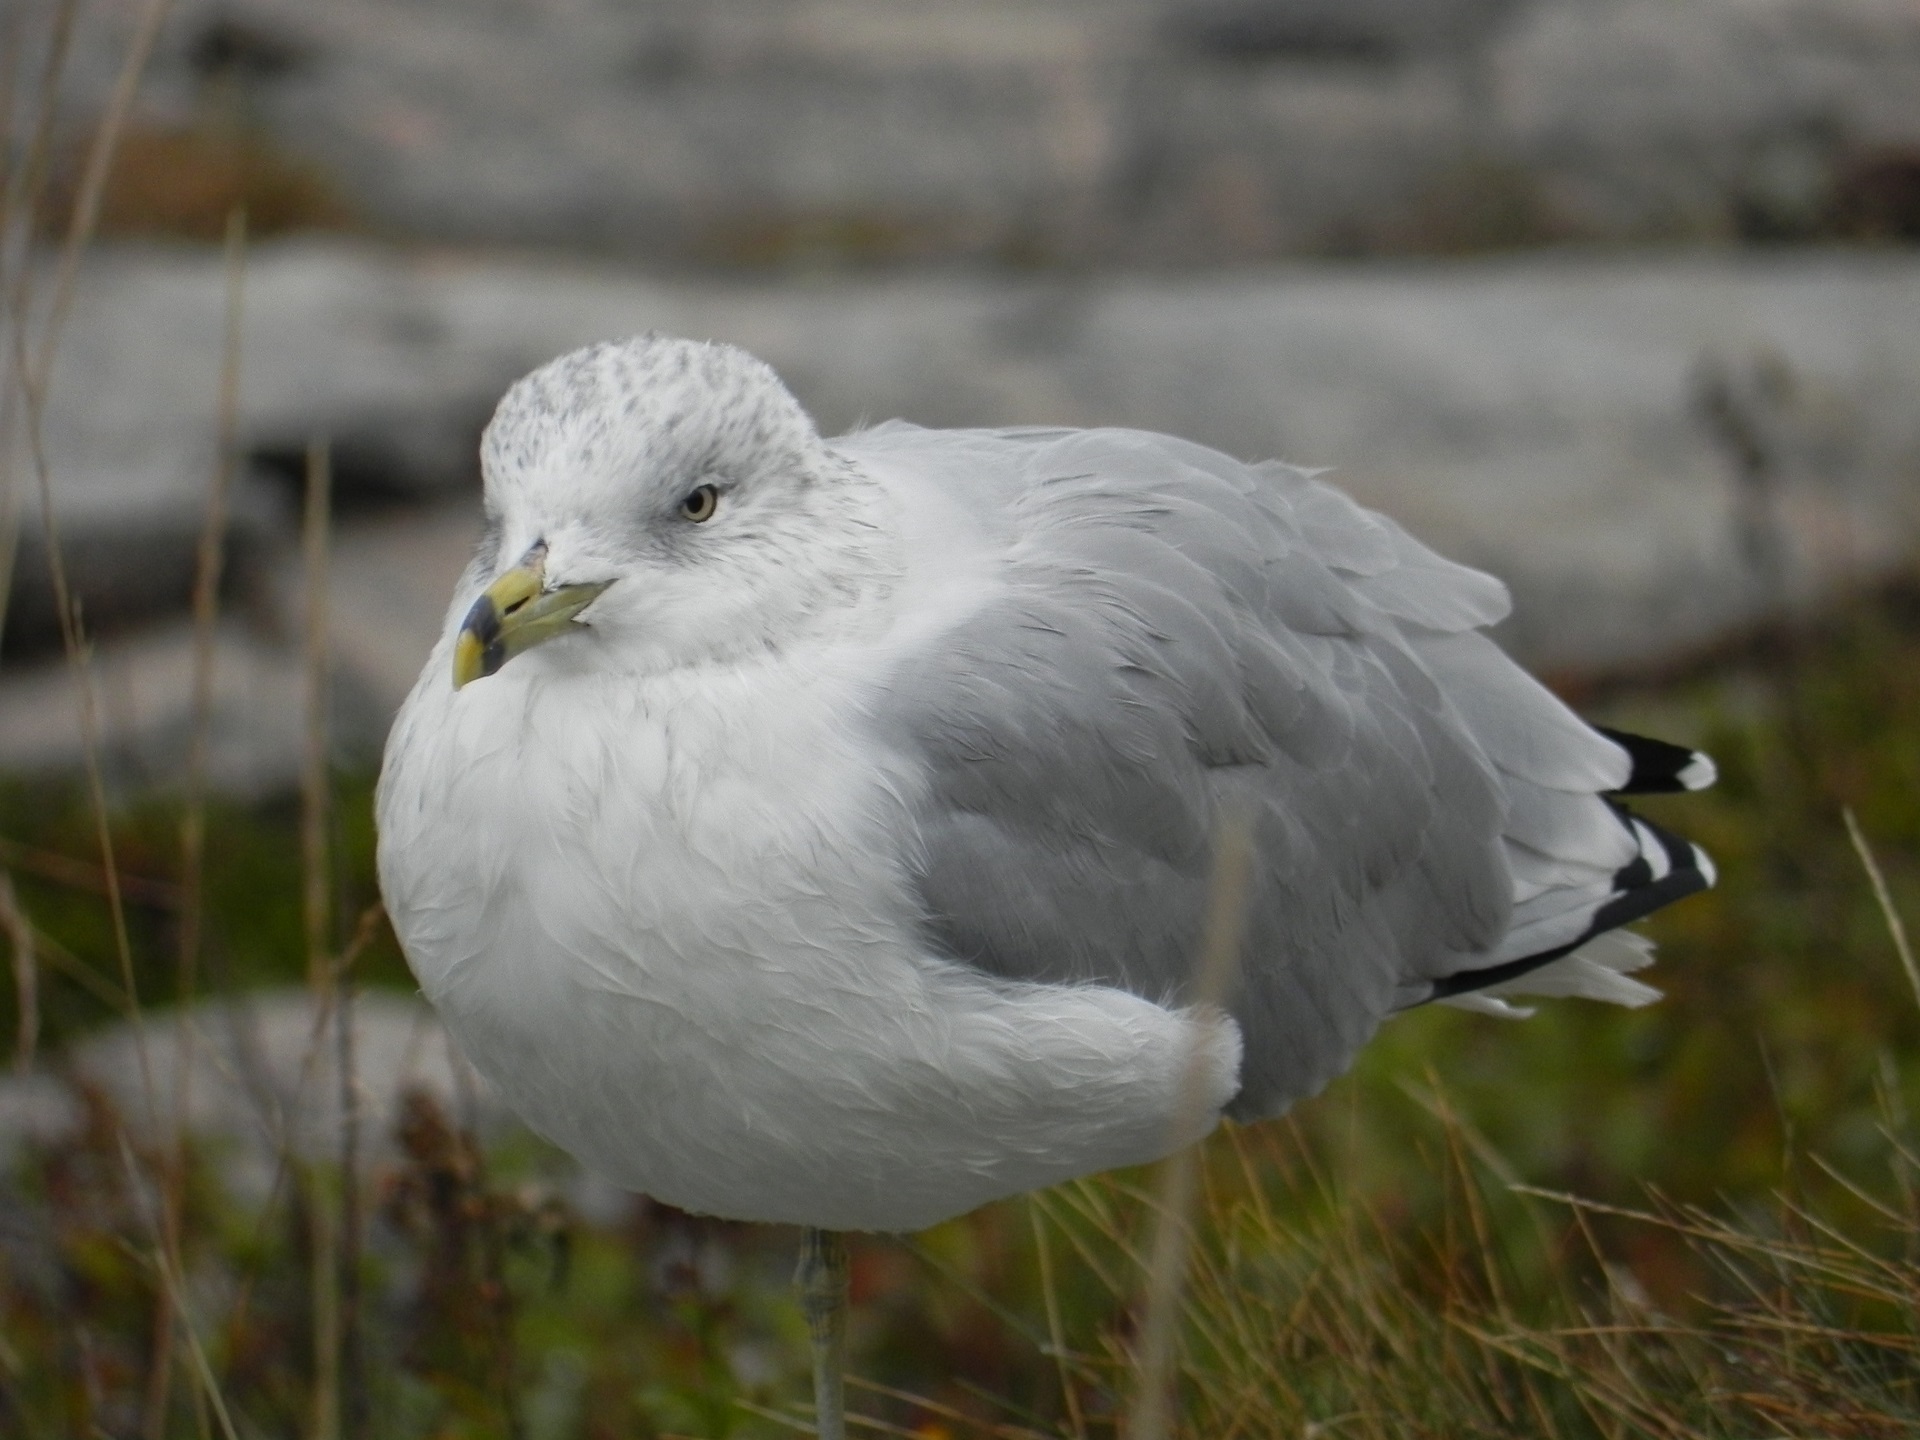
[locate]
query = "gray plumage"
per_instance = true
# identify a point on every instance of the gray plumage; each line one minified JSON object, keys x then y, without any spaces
{"x":1181,"y":634}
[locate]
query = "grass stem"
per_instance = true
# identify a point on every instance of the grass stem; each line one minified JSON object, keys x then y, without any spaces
{"x":26,"y":976}
{"x":316,"y":870}
{"x":1896,"y":928}
{"x":1153,"y":1406}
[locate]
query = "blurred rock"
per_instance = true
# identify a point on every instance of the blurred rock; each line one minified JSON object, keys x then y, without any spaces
{"x":390,"y":579}
{"x":1551,"y":420}
{"x":752,"y":132}
{"x":142,"y":712}
{"x":1335,"y":30}
{"x":129,"y":553}
{"x":261,"y":1085}
{"x":268,"y":1061}
{"x":333,"y":347}
{"x":1713,"y":118}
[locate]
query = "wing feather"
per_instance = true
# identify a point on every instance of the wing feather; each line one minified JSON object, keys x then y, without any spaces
{"x":1171,"y":636}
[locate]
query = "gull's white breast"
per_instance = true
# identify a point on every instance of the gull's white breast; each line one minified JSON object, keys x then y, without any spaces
{"x":670,"y":919}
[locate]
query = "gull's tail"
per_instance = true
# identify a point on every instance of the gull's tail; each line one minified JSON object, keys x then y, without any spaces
{"x":1597,"y":961}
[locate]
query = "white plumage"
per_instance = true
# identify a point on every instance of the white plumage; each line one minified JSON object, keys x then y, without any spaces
{"x":672,"y":931}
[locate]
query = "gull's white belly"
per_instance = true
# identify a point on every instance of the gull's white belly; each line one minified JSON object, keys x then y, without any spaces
{"x":669,"y":920}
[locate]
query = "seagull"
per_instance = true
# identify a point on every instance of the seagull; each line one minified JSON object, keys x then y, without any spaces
{"x":820,"y":831}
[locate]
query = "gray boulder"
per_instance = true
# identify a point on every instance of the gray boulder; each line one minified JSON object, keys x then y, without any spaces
{"x":795,"y":132}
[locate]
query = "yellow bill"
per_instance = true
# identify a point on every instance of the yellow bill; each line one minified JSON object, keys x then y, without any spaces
{"x":516,"y":613}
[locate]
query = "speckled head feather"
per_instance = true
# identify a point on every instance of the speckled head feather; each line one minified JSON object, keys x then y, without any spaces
{"x":595,"y":455}
{"x":654,"y":408}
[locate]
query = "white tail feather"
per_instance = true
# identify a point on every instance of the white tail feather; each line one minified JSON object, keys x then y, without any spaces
{"x":1598,"y":970}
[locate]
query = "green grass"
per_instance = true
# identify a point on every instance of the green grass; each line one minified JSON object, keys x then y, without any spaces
{"x":1367,"y":1267}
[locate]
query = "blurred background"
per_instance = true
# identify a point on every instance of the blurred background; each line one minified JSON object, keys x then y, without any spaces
{"x":1562,"y":284}
{"x":1618,"y":299}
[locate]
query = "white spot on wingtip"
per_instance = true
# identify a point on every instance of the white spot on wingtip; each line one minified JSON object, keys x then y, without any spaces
{"x":1699,"y":772}
{"x":1481,"y":1003}
{"x":1652,"y":851}
{"x":1704,"y":863}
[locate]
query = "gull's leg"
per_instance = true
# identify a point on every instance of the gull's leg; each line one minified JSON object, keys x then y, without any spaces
{"x":822,"y":1280}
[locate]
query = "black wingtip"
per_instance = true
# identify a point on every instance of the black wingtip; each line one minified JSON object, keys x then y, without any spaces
{"x":1661,"y":768}
{"x":1667,"y":869}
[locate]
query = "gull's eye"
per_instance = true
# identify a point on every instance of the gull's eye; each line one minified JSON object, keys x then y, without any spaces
{"x":700,"y":503}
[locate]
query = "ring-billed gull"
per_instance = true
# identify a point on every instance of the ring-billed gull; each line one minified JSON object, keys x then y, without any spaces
{"x":830,"y":838}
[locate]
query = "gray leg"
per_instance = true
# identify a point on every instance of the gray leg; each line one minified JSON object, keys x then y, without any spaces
{"x":822,"y":1279}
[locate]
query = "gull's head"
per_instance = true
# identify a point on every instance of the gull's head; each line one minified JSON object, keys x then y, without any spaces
{"x":654,"y":503}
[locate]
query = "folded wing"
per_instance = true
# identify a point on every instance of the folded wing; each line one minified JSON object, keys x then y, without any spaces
{"x":1173,"y":637}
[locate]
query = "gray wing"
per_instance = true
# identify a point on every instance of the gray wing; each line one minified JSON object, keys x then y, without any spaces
{"x":1179,"y":633}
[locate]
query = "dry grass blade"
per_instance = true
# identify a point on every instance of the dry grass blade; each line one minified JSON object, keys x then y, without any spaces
{"x":79,"y":875}
{"x":57,"y":957}
{"x":28,"y":170}
{"x":26,"y":397}
{"x":325,"y":1200}
{"x":9,"y":496}
{"x":1152,"y":1412}
{"x":790,"y":1422}
{"x":1056,"y":1333}
{"x":1077,"y":1221}
{"x":26,"y":975}
{"x":280,"y":1130}
{"x":20,"y":196}
{"x":210,"y":563}
{"x":93,"y":184}
{"x":193,"y":817}
{"x":315,"y":868}
{"x":1896,"y":928}
{"x":175,"y":1294}
{"x":79,"y":662}
{"x":935,"y":1408}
